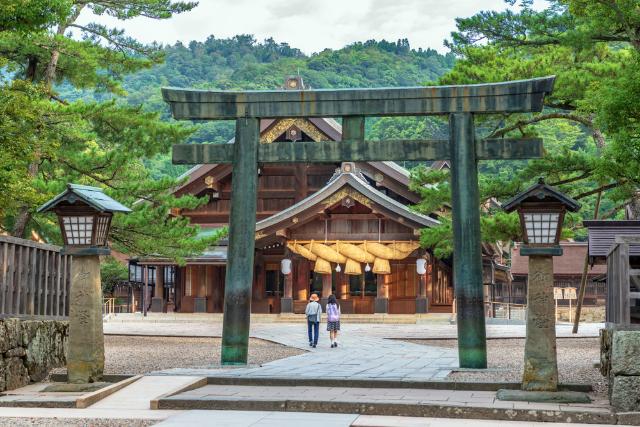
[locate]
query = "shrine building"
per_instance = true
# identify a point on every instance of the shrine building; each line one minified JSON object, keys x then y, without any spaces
{"x":342,"y":228}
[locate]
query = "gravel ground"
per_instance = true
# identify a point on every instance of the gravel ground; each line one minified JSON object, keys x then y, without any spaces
{"x":506,"y":358}
{"x":138,"y":355}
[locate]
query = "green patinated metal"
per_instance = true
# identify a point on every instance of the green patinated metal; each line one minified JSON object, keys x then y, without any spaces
{"x":359,"y":150}
{"x":515,"y":96}
{"x":467,"y":255}
{"x":242,"y":228}
{"x":353,"y":105}
{"x":353,"y":130}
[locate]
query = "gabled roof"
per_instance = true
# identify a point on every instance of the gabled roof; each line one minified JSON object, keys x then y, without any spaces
{"x":92,"y":196}
{"x":541,"y":192}
{"x":344,"y":179}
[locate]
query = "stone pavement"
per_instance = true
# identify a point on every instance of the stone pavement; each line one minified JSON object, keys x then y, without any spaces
{"x":366,"y":351}
{"x":360,"y":355}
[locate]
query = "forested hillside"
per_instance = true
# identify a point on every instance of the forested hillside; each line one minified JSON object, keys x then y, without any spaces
{"x":242,"y":62}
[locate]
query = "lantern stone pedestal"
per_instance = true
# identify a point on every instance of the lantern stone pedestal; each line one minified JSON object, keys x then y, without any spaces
{"x":85,"y":361}
{"x":540,"y":358}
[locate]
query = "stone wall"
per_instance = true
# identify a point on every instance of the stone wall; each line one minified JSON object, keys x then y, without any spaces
{"x":620,"y":363}
{"x":29,"y":349}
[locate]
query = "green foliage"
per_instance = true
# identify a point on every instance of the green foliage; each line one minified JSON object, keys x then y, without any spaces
{"x":48,"y":139}
{"x":30,"y":15}
{"x":112,"y":272}
{"x":590,"y":121}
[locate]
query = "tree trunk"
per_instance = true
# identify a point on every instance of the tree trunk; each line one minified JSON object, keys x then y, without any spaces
{"x":24,"y":214}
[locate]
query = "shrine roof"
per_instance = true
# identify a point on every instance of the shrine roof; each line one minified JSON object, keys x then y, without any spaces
{"x":347,"y":177}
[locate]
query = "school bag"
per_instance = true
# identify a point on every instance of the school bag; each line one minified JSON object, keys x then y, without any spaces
{"x":333,"y":313}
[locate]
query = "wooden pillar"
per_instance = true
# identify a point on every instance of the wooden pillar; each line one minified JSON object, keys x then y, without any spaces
{"x":381,"y":303}
{"x":302,"y":280}
{"x":422,"y":304}
{"x":286,"y":302}
{"x":145,"y":283}
{"x":242,"y":228}
{"x":157,"y":302}
{"x":343,"y":285}
{"x":467,"y":256}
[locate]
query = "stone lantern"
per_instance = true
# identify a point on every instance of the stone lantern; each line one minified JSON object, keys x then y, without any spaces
{"x":541,"y":209}
{"x":84,"y":214}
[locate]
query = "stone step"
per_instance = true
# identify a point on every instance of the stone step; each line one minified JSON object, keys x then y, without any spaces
{"x":383,"y":401}
{"x":141,"y":393}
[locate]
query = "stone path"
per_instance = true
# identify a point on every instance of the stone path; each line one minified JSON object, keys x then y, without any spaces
{"x":365,"y":352}
{"x":358,"y":356}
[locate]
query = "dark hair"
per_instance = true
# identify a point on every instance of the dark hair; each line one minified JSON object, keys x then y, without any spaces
{"x":332,"y":300}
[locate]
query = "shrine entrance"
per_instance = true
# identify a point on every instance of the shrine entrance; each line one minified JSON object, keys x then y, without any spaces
{"x":462,"y":148}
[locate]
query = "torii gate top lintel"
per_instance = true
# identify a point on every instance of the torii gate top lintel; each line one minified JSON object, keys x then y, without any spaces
{"x":513,"y":96}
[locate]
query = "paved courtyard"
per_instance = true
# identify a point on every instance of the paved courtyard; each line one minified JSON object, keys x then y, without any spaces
{"x":366,"y":351}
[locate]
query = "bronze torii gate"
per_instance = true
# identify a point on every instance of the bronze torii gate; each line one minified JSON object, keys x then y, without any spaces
{"x":460,"y":103}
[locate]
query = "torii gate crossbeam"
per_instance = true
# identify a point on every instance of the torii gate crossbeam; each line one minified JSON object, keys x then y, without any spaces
{"x":464,"y":150}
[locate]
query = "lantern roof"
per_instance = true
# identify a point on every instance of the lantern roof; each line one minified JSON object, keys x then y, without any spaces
{"x":92,"y":196}
{"x":541,"y":193}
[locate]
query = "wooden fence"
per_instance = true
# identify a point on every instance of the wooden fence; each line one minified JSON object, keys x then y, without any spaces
{"x":623,"y":292}
{"x":34,"y":279}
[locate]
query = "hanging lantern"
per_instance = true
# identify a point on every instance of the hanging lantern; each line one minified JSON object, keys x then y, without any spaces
{"x":367,"y":268}
{"x":338,"y":268}
{"x":285,"y":266}
{"x":421,"y":266}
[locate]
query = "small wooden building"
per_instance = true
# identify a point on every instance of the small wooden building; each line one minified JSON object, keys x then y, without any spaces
{"x":567,"y":273}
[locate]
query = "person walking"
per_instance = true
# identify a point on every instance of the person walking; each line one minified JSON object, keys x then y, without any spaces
{"x":314,"y":314}
{"x":333,"y":320}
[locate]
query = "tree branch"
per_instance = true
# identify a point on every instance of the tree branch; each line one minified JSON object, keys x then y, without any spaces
{"x":549,"y":116}
{"x":597,"y":190}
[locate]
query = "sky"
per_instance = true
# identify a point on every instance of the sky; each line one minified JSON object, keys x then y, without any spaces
{"x":310,"y":25}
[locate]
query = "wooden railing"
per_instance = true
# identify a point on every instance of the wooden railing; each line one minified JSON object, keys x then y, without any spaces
{"x":623,"y":292}
{"x":108,"y":306}
{"x":34,"y":279}
{"x":505,"y":310}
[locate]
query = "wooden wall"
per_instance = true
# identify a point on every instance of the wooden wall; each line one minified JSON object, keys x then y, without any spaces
{"x":279,"y":186}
